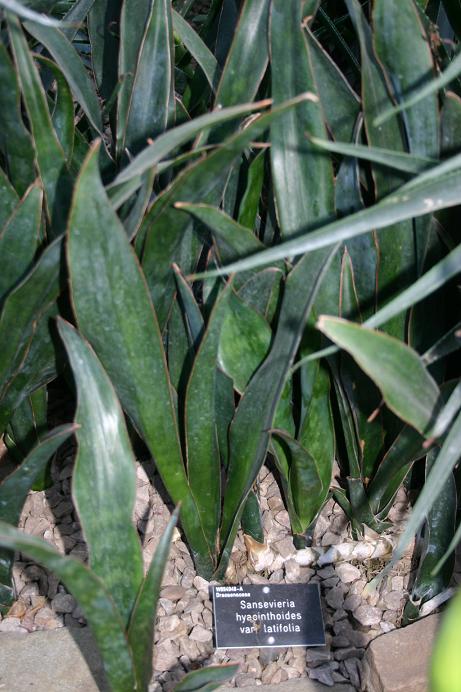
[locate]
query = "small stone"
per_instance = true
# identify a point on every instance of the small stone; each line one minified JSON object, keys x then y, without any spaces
{"x":12,"y":625}
{"x":348,"y":652}
{"x":323,"y":674}
{"x":353,"y":669}
{"x":327,"y":572}
{"x":397,"y":583}
{"x":335,"y":597}
{"x":244,"y":680}
{"x":165,"y":655}
{"x":173,"y":593}
{"x":357,"y":587}
{"x":201,"y":584}
{"x":387,"y":626}
{"x":62,"y":509}
{"x":254,"y":668}
{"x":283,"y":519}
{"x":330,"y":583}
{"x":188,"y":648}
{"x":393,"y":600}
{"x":330,"y":538}
{"x":340,"y":641}
{"x":367,"y":615}
{"x":347,"y":572}
{"x":292,"y":571}
{"x":17,"y":610}
{"x":285,"y":547}
{"x":318,"y":655}
{"x":63,"y":603}
{"x":200,"y":634}
{"x":168,"y":624}
{"x":45,"y":619}
{"x":352,"y":602}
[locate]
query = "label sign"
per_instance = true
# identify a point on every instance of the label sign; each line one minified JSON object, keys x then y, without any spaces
{"x":269,"y":615}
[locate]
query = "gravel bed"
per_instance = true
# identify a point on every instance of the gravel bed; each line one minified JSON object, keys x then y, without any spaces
{"x":184,"y":623}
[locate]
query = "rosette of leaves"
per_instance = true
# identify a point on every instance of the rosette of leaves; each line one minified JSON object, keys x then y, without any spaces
{"x":116,"y":595}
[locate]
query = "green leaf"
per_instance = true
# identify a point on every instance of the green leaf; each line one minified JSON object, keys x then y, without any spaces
{"x":251,"y":518}
{"x":8,"y":197}
{"x":168,"y":231}
{"x":22,"y":311}
{"x":438,"y":531}
{"x":141,"y":627}
{"x":20,"y":10}
{"x":177,"y":136}
{"x":246,"y":60}
{"x":203,"y":461}
{"x":133,"y":18}
{"x":50,"y":157}
{"x":339,"y":102}
{"x":209,"y":678}
{"x":38,"y":366}
{"x":116,"y":315}
{"x":95,"y":602}
{"x":446,"y":662}
{"x":436,"y":189}
{"x":407,"y":448}
{"x":400,"y":161}
{"x":14,"y":490}
{"x":407,"y":388}
{"x":443,"y":80}
{"x":72,"y":68}
{"x":245,"y":341}
{"x":153,"y":85}
{"x":103,"y":32}
{"x":63,"y":111}
{"x":396,"y":269}
{"x":104,"y":477}
{"x":19,"y":239}
{"x":15,"y":141}
{"x":249,"y":435}
{"x":197,"y":48}
{"x":307,"y":490}
{"x":303,"y":178}
{"x":248,"y":209}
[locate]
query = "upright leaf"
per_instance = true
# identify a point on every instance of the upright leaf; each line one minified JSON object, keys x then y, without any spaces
{"x":203,"y":461}
{"x":249,"y":440}
{"x":153,"y":85}
{"x":303,"y":178}
{"x":49,"y":155}
{"x":104,"y":478}
{"x":397,"y":252}
{"x":19,"y":239}
{"x":22,"y":311}
{"x":15,"y":141}
{"x":116,"y":315}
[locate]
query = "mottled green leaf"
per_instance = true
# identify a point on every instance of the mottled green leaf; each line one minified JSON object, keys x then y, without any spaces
{"x":303,"y":177}
{"x":115,"y":314}
{"x":15,"y":141}
{"x":50,"y":157}
{"x":22,"y":311}
{"x":153,"y":84}
{"x":19,"y":239}
{"x":104,"y":477}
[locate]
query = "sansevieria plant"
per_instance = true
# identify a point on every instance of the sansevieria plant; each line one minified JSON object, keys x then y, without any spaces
{"x":227,"y":211}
